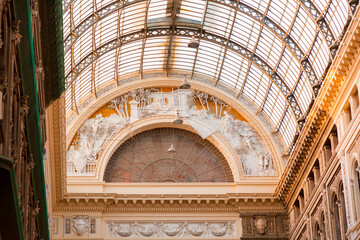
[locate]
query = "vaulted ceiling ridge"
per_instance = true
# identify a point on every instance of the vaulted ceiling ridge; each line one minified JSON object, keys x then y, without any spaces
{"x":319,"y":114}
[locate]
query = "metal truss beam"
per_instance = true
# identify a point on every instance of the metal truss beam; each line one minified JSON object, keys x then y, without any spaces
{"x":94,"y":18}
{"x":144,"y":41}
{"x":238,"y":6}
{"x":319,"y":19}
{"x":201,"y":31}
{"x":250,"y":56}
{"x":172,"y":31}
{"x":67,"y":4}
{"x":227,"y":41}
{"x":353,"y":5}
{"x":287,"y":40}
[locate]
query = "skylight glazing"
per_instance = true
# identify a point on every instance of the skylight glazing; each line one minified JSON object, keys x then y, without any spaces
{"x":273,"y":53}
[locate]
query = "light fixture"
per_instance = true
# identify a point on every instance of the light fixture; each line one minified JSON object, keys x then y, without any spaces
{"x":172,"y":149}
{"x":185,"y":84}
{"x":193,"y":43}
{"x":177,"y":119}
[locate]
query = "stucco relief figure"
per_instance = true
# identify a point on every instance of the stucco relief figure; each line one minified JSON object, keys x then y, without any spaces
{"x":91,"y":137}
{"x":260,"y":224}
{"x":80,"y":225}
{"x":264,"y":161}
{"x":226,"y":123}
{"x":260,"y":157}
{"x":76,"y":158}
{"x":97,"y":131}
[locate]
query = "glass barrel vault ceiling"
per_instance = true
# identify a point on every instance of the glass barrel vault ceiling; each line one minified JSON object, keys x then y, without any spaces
{"x":273,"y":52}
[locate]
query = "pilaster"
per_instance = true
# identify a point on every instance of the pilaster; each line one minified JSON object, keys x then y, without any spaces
{"x":353,"y":105}
{"x":334,"y":141}
{"x":346,"y":184}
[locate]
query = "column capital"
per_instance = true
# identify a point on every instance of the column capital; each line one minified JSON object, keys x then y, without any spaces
{"x":333,"y":134}
{"x":344,"y":111}
{"x":326,"y":147}
{"x":341,"y":153}
{"x":352,"y":98}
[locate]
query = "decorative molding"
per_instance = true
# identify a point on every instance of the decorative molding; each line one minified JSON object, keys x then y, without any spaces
{"x":170,"y":229}
{"x":164,"y":204}
{"x":57,"y":151}
{"x":264,"y":225}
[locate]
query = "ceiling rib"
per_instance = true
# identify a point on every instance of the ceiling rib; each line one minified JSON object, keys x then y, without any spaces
{"x":319,"y":19}
{"x":144,"y":41}
{"x":172,"y":26}
{"x":227,"y":42}
{"x":201,"y":31}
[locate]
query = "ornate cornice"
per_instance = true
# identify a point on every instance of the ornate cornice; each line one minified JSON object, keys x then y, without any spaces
{"x":143,"y":203}
{"x":56,"y":129}
{"x":319,"y":114}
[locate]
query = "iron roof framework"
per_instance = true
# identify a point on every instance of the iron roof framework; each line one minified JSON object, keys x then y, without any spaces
{"x":274,"y":53}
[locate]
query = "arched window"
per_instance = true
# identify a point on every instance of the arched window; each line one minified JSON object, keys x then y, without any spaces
{"x":317,"y":232}
{"x":355,"y":185}
{"x":296,"y":209}
{"x":342,"y":210}
{"x":335,"y":218}
{"x":167,"y":155}
{"x":323,"y":224}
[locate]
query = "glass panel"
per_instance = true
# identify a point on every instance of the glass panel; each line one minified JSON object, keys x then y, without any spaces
{"x":106,"y":27}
